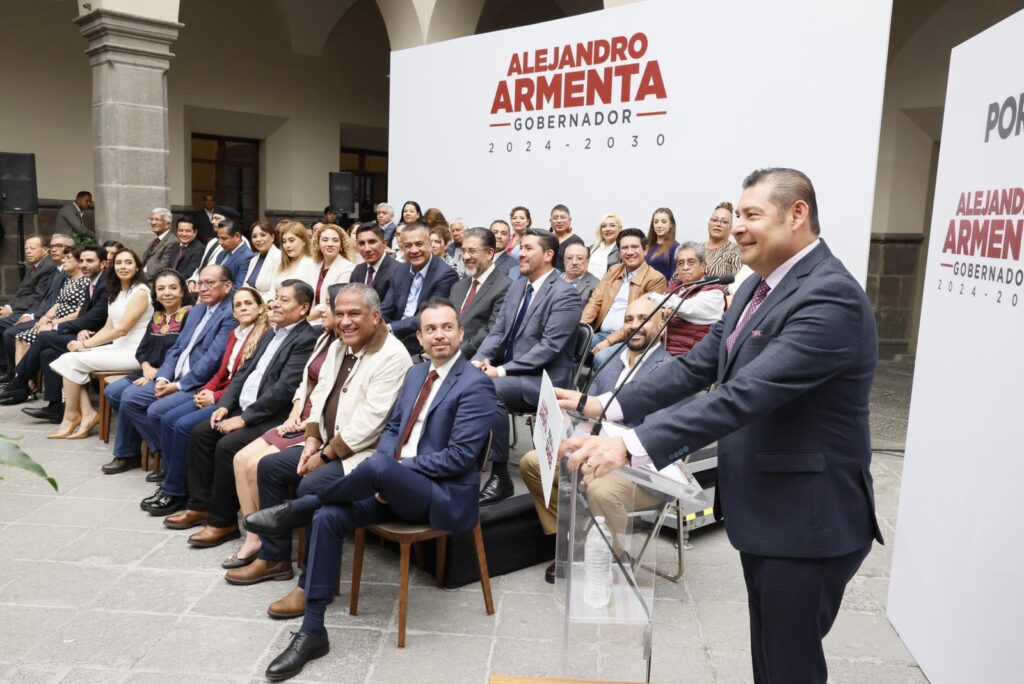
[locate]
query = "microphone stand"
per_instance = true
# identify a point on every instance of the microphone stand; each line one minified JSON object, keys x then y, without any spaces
{"x":682,"y":293}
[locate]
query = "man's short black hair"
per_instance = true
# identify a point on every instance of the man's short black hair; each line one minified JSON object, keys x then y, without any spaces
{"x":631,"y":232}
{"x":437,"y":303}
{"x":485,"y":236}
{"x":83,"y":193}
{"x":233,"y":227}
{"x":303,"y":292}
{"x":790,"y":186}
{"x":185,"y":219}
{"x":100,"y":256}
{"x":547,"y":239}
{"x":561,"y":207}
{"x":370,"y":227}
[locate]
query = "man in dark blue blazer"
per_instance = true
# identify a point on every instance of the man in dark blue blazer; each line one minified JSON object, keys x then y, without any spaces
{"x":235,"y":253}
{"x":420,"y":279}
{"x":794,"y":359}
{"x":535,"y":331}
{"x":258,"y":398}
{"x":424,"y":470}
{"x":372,"y":246}
{"x":190,"y":362}
{"x":53,"y":342}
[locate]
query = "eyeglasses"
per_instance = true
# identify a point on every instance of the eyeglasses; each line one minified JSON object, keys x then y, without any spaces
{"x":721,"y":221}
{"x":474,"y":252}
{"x":210,"y":283}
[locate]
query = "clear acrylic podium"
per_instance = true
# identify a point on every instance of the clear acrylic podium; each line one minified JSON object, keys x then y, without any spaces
{"x":613,"y":641}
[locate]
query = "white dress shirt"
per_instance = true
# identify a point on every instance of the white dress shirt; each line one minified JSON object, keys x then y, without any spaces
{"x":598,"y":264}
{"x":251,"y":388}
{"x":409,"y":450}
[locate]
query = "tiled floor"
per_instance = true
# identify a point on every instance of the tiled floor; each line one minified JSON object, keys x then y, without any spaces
{"x":93,"y":590}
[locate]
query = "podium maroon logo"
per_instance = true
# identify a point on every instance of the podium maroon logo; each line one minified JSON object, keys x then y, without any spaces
{"x":601,"y":83}
{"x":981,"y":252}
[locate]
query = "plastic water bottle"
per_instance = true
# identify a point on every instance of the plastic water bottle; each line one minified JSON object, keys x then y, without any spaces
{"x":597,"y":584}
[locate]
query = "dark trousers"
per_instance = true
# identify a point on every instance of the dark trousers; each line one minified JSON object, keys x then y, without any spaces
{"x":51,"y":346}
{"x":346,"y":504}
{"x":517,"y":393}
{"x":9,"y":333}
{"x":275,"y":474}
{"x":793,"y":603}
{"x":211,"y":475}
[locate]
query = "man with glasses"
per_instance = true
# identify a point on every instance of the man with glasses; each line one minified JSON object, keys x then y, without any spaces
{"x":189,"y":363}
{"x":481,"y":291}
{"x":577,"y":259}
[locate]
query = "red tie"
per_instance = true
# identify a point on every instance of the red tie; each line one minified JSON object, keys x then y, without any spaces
{"x":470,"y":296}
{"x":414,"y":416}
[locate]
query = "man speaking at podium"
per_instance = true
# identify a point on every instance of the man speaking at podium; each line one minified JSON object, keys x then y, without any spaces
{"x":793,"y":359}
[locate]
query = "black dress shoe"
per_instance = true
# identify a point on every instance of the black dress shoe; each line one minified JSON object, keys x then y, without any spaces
{"x":121,"y":465}
{"x":157,"y":475}
{"x":165,"y":505}
{"x":276,"y":520}
{"x":496,"y":489}
{"x":549,"y":573}
{"x":13,"y":397}
{"x":151,"y":498}
{"x":305,"y":646}
{"x":6,"y":378}
{"x":52,"y":413}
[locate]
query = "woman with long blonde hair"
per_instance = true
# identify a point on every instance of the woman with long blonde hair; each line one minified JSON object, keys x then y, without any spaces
{"x":296,"y":256}
{"x":605,"y":250}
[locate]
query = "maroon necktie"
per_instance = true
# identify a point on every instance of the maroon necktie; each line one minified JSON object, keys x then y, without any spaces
{"x":177,"y":259}
{"x":369,"y":276}
{"x":759,"y":294}
{"x":414,"y":416}
{"x":470,"y":296}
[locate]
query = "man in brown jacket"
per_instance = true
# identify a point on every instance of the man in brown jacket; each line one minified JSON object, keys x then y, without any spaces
{"x":623,"y":283}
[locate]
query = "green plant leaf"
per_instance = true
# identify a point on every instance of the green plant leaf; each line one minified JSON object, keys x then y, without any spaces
{"x":11,"y":454}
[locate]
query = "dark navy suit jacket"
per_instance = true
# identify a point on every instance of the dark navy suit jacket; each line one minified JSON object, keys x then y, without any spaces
{"x":386,"y":268}
{"x":205,"y":356}
{"x":238,"y":263}
{"x":437,"y":282}
{"x":790,"y":413}
{"x":93,"y":314}
{"x":455,"y":430}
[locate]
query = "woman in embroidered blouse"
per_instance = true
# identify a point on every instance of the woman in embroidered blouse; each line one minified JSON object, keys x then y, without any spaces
{"x":288,"y":434}
{"x":163,"y":331}
{"x":112,"y":348}
{"x":176,"y":425}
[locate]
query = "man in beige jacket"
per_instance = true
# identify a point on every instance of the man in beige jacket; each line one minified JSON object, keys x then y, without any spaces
{"x":359,"y":381}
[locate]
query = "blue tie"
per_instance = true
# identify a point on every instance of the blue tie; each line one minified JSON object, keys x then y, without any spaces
{"x":518,"y":322}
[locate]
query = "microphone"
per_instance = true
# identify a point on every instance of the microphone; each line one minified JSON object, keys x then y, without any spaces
{"x":725,"y":279}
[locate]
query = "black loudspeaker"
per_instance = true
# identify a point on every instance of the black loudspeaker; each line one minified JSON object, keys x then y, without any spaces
{"x":343,"y":191}
{"x":18,"y":193}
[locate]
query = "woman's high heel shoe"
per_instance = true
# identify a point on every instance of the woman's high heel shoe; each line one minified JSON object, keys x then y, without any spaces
{"x":66,"y":433}
{"x":86,"y":430}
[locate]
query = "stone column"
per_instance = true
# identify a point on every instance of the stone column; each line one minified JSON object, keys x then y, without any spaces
{"x":130,"y":56}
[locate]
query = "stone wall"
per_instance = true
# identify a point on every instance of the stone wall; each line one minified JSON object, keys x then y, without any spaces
{"x":894,"y":290}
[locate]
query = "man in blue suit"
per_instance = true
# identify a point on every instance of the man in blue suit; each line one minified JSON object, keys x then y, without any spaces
{"x":235,"y":253}
{"x":424,"y":471}
{"x":535,"y":331}
{"x":189,"y":363}
{"x":420,"y":279}
{"x":794,"y":359}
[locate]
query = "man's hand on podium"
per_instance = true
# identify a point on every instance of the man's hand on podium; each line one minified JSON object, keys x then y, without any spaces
{"x":568,"y":400}
{"x":595,"y":456}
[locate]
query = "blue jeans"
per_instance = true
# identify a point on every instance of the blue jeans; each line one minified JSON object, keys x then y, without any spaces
{"x":127,"y":442}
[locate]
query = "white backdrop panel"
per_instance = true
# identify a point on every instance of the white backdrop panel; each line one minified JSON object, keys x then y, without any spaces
{"x":955,"y":595}
{"x":747,"y":84}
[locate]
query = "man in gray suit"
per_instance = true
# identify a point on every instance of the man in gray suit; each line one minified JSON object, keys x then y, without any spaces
{"x":794,"y":359}
{"x":535,"y":331}
{"x":39,"y":269}
{"x":164,"y":246}
{"x":71,"y":219}
{"x":480,"y":293}
{"x":503,"y":261}
{"x":577,"y":259}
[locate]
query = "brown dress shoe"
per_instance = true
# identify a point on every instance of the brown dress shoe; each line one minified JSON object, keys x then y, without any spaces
{"x":260,"y":571}
{"x":291,"y":606}
{"x":185,"y":519}
{"x":211,"y":536}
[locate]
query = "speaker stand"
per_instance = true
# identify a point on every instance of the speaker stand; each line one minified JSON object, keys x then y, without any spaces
{"x":21,"y":245}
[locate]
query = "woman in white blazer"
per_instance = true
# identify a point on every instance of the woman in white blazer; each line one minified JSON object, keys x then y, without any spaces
{"x":296,"y":259}
{"x":266,"y":261}
{"x":334,"y":253}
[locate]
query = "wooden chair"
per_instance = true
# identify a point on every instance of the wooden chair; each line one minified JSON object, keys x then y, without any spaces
{"x":405,"y":535}
{"x":102,"y":378}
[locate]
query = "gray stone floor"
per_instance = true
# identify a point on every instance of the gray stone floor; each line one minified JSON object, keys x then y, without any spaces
{"x":93,"y":590}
